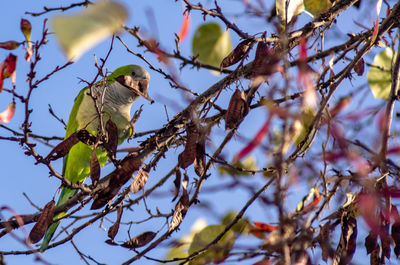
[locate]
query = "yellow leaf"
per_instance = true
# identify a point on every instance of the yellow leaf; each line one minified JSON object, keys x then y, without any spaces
{"x":294,"y":8}
{"x":379,"y":75}
{"x":78,"y":33}
{"x":316,"y":7}
{"x":211,"y":44}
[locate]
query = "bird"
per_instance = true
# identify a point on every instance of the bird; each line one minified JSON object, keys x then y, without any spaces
{"x":116,"y":95}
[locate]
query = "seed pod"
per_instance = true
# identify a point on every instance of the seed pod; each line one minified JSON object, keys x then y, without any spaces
{"x":140,"y":240}
{"x":359,"y":67}
{"x":112,"y":137}
{"x":187,"y":157}
{"x":113,"y":230}
{"x":200,"y":160}
{"x":140,"y":180}
{"x":94,"y":168}
{"x":63,"y":148}
{"x":237,"y":109}
{"x":237,"y":54}
{"x":41,"y":225}
{"x":180,"y":211}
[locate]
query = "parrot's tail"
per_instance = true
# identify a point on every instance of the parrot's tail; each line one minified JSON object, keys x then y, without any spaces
{"x":66,"y":194}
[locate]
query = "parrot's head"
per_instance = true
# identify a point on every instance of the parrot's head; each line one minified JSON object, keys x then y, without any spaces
{"x":133,"y":77}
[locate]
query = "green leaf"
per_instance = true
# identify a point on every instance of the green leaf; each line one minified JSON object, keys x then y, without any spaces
{"x":216,"y":252}
{"x":26,"y":28}
{"x":211,"y":44}
{"x":294,"y":8}
{"x":301,"y":125}
{"x":180,"y":249}
{"x":242,"y":225}
{"x":316,"y":7}
{"x":78,"y":33}
{"x":380,"y":77}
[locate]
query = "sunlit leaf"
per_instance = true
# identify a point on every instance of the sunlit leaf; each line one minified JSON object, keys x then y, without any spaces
{"x":316,"y":7}
{"x":310,"y":201}
{"x":241,"y":226}
{"x":8,"y":113}
{"x":78,"y":33}
{"x":184,"y":27}
{"x":306,"y":118}
{"x":26,"y":29}
{"x":211,"y":44}
{"x":379,"y":75}
{"x":294,"y":8}
{"x":376,"y":25}
{"x":181,"y":246}
{"x":216,"y":252}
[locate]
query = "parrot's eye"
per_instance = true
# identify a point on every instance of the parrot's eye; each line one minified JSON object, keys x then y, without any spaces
{"x":133,"y":73}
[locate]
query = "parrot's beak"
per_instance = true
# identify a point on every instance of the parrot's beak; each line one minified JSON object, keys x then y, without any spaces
{"x":143,"y":85}
{"x":139,"y":87}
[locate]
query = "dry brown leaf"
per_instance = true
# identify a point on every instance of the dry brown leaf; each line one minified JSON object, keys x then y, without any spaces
{"x":371,"y":242}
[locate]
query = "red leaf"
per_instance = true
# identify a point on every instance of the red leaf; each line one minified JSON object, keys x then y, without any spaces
{"x":11,"y":64}
{"x":376,"y":25}
{"x":184,"y":27}
{"x":255,"y":142}
{"x":303,"y":49}
{"x":8,"y":113}
{"x":2,"y":68}
{"x":340,"y":106}
{"x":264,"y":227}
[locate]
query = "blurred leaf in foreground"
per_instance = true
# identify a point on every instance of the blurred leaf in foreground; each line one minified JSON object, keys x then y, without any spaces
{"x":211,"y":44}
{"x":379,"y":75}
{"x":78,"y":33}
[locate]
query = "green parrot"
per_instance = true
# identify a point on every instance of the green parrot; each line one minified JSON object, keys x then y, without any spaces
{"x":123,"y":87}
